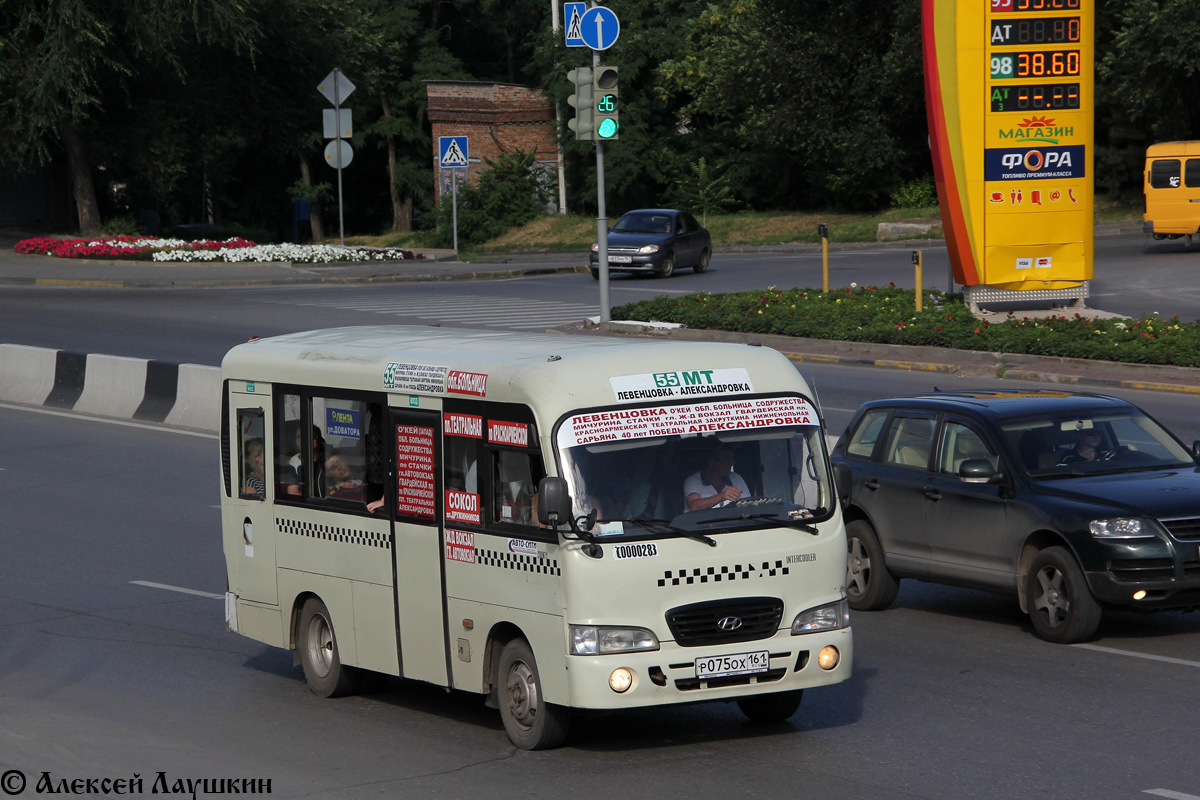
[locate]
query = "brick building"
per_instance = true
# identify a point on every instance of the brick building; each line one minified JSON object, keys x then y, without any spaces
{"x":497,"y":118}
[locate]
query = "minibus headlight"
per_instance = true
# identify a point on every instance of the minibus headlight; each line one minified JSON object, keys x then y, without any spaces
{"x":1119,"y":528}
{"x":829,"y":617}
{"x":648,"y":248}
{"x":589,"y":640}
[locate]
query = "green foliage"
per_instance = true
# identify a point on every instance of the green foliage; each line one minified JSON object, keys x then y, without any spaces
{"x":887,"y":315}
{"x":919,"y":193}
{"x":124,"y":225}
{"x":509,"y":194}
{"x":705,"y":191}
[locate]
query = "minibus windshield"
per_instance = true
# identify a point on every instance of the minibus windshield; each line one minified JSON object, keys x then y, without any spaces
{"x":708,"y":467}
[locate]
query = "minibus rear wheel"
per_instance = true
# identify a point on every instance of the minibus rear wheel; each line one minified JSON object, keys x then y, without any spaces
{"x":319,"y":656}
{"x":531,"y":722}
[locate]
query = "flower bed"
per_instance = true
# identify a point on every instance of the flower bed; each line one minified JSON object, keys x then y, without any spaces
{"x":229,"y":250}
{"x":886,"y":315}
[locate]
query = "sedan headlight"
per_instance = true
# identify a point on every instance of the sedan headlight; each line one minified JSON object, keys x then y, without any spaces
{"x":589,"y":640}
{"x":822,"y":618}
{"x":1118,"y":528}
{"x":648,"y":248}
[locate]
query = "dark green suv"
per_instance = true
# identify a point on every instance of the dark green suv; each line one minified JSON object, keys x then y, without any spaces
{"x":1072,"y":502}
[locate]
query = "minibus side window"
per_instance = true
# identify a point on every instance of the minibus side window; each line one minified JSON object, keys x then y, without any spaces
{"x":1164,"y":174}
{"x":1191,"y":173}
{"x":516,"y":480}
{"x":251,"y":455}
{"x":288,"y":445}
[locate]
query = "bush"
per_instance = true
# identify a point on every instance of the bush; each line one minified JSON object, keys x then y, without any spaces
{"x":920,"y":193}
{"x":886,"y":315}
{"x":509,"y":194}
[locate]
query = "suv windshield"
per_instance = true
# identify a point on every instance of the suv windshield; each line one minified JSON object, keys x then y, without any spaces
{"x":1094,"y":442}
{"x":638,"y":467}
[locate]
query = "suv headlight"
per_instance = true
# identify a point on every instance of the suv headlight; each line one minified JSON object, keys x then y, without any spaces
{"x":648,"y":248}
{"x":590,"y":640}
{"x":829,"y":617}
{"x":1118,"y":528}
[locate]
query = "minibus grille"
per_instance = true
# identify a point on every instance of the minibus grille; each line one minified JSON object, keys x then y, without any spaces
{"x":722,"y":621}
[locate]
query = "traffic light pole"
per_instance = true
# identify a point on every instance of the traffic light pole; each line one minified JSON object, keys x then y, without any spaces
{"x":601,"y":222}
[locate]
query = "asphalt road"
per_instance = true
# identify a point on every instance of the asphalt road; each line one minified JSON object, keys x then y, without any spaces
{"x":114,"y":660}
{"x":114,"y":663}
{"x":200,"y":325}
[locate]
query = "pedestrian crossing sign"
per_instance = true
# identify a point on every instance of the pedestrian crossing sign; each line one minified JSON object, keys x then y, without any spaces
{"x":452,"y":151}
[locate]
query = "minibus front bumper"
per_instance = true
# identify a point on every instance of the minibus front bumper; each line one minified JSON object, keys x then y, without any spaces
{"x":675,"y":674}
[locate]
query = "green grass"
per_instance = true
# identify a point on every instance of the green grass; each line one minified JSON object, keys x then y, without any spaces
{"x":575,"y":232}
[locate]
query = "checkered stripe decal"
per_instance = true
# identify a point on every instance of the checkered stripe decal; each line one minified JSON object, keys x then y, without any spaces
{"x":725,"y":573}
{"x":331,"y":533}
{"x":516,"y":561}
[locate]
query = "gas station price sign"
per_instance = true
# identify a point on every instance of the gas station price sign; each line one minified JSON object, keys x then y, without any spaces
{"x":1009,"y":88}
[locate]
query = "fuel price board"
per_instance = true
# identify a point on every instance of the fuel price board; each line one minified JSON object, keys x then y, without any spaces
{"x":1009,"y":92}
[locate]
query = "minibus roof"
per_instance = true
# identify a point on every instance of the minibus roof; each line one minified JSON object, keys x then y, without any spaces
{"x":553,"y":373}
{"x":1167,"y":149}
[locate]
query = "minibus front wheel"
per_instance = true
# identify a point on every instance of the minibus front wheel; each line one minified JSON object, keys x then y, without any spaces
{"x":531,"y":722}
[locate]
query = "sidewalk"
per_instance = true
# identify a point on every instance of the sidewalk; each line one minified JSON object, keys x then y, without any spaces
{"x":17,"y":269}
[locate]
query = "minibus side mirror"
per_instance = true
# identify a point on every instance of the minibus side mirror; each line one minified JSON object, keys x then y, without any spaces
{"x":554,"y":502}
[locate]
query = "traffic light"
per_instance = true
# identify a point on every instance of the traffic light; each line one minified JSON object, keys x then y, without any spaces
{"x":584,"y":123}
{"x":608,"y":106}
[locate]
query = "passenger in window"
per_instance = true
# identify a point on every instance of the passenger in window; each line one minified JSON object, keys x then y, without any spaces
{"x":717,"y":484}
{"x":343,"y":482}
{"x":318,"y":461}
{"x":254,"y":455}
{"x":1087,"y":448}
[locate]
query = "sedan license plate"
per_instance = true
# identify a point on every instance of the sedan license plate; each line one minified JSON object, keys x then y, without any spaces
{"x":620,"y":259}
{"x":736,"y":664}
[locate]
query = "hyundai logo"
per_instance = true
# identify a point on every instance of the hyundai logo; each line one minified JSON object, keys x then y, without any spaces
{"x":730,"y":623}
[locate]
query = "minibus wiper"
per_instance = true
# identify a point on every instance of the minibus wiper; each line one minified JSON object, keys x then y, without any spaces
{"x":791,"y":523}
{"x":662,"y":524}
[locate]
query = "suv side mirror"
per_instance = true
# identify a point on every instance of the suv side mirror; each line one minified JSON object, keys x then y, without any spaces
{"x":978,"y":470}
{"x":554,"y":502}
{"x":843,"y":481}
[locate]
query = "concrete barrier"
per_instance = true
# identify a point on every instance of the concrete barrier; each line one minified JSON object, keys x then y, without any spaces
{"x":117,"y":387}
{"x":26,"y":373}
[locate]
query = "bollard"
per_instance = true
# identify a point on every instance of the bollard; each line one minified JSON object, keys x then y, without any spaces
{"x":916,"y":259}
{"x":823,"y":232}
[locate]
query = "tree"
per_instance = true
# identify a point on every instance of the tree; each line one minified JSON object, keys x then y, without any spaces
{"x":64,"y":62}
{"x":831,"y":94}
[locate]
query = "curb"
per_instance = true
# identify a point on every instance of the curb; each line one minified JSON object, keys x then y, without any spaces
{"x":118,"y":387}
{"x":137,"y":283}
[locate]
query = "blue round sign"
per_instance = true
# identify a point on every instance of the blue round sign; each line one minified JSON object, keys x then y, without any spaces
{"x":599,"y":28}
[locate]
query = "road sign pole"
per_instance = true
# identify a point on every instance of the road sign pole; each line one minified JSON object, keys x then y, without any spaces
{"x":601,"y":224}
{"x":454,"y":206}
{"x":337,"y":115}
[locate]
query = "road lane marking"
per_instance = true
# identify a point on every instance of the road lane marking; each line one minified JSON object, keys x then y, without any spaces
{"x":180,"y":589}
{"x":1147,"y":656}
{"x":1170,"y":794}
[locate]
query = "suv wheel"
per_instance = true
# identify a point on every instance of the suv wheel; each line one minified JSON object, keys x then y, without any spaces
{"x":1061,"y":606}
{"x":869,"y":585}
